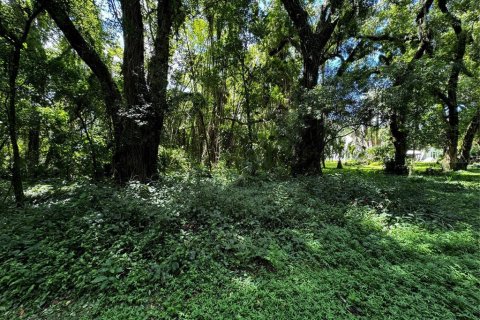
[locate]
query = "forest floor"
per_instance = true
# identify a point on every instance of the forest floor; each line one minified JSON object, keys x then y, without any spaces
{"x":352,"y":244}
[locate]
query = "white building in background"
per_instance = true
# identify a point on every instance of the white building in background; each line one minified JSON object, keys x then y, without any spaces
{"x":425,"y":155}
{"x":357,"y":143}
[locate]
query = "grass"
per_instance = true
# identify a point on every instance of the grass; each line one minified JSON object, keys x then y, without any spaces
{"x":352,"y":244}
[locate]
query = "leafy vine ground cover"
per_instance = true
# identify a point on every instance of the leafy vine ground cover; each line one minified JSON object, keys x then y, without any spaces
{"x":354,"y":243}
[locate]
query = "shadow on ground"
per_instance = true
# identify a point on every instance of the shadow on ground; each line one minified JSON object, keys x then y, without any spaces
{"x":353,"y":245}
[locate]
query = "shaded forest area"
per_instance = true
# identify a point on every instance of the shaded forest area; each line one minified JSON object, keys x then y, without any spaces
{"x":197,"y":159}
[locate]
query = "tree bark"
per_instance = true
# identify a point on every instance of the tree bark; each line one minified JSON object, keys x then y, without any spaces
{"x":158,"y":78}
{"x":137,"y":138}
{"x":309,"y":148}
{"x":12,"y":125}
{"x":138,"y":119}
{"x":17,"y":43}
{"x":399,"y":115}
{"x":340,"y":154}
{"x":450,"y":99}
{"x":218,"y":91}
{"x":452,"y":135}
{"x":472,"y":129}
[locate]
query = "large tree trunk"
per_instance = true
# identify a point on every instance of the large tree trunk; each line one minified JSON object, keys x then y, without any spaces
{"x":400,"y":114}
{"x":452,"y":134}
{"x":472,"y":129}
{"x":450,"y":99}
{"x":158,"y":77}
{"x":137,"y":135}
{"x":12,"y":125}
{"x":309,"y":148}
{"x":218,"y":91}
{"x":399,"y":139}
{"x":137,"y":119}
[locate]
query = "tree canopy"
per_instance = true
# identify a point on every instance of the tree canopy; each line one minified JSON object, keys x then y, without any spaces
{"x":129,"y":89}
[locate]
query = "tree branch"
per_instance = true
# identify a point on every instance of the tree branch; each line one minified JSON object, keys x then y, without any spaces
{"x":355,"y":54}
{"x":299,"y":17}
{"x":283,"y":43}
{"x":87,"y":53}
{"x":442,"y":97}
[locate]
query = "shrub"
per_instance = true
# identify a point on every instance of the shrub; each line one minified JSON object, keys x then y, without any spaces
{"x":173,"y":159}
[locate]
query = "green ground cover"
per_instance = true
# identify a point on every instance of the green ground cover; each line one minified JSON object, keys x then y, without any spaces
{"x":352,"y":244}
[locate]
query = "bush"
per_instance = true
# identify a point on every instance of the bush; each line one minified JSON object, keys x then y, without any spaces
{"x":379,"y":153}
{"x":392,"y":168}
{"x":173,"y":159}
{"x":220,"y":247}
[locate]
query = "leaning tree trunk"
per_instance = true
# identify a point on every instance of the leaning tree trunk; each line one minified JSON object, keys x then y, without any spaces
{"x":112,"y":96}
{"x":472,"y":129}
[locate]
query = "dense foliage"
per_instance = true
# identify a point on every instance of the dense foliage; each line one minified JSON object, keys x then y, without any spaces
{"x":118,"y":89}
{"x":346,"y":245}
{"x":174,"y":159}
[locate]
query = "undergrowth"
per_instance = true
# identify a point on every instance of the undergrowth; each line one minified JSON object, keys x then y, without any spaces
{"x":350,"y":244}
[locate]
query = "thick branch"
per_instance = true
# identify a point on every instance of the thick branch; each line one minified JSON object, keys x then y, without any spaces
{"x":135,"y":87}
{"x":387,"y":37}
{"x":14,"y":39}
{"x":158,"y":67}
{"x":28,"y":24}
{"x":299,"y":17}
{"x":458,"y":65}
{"x":472,"y":129}
{"x":355,"y":54}
{"x":283,"y":43}
{"x":423,"y":11}
{"x":454,"y":21}
{"x":88,"y":54}
{"x":442,"y":97}
{"x":422,"y":48}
